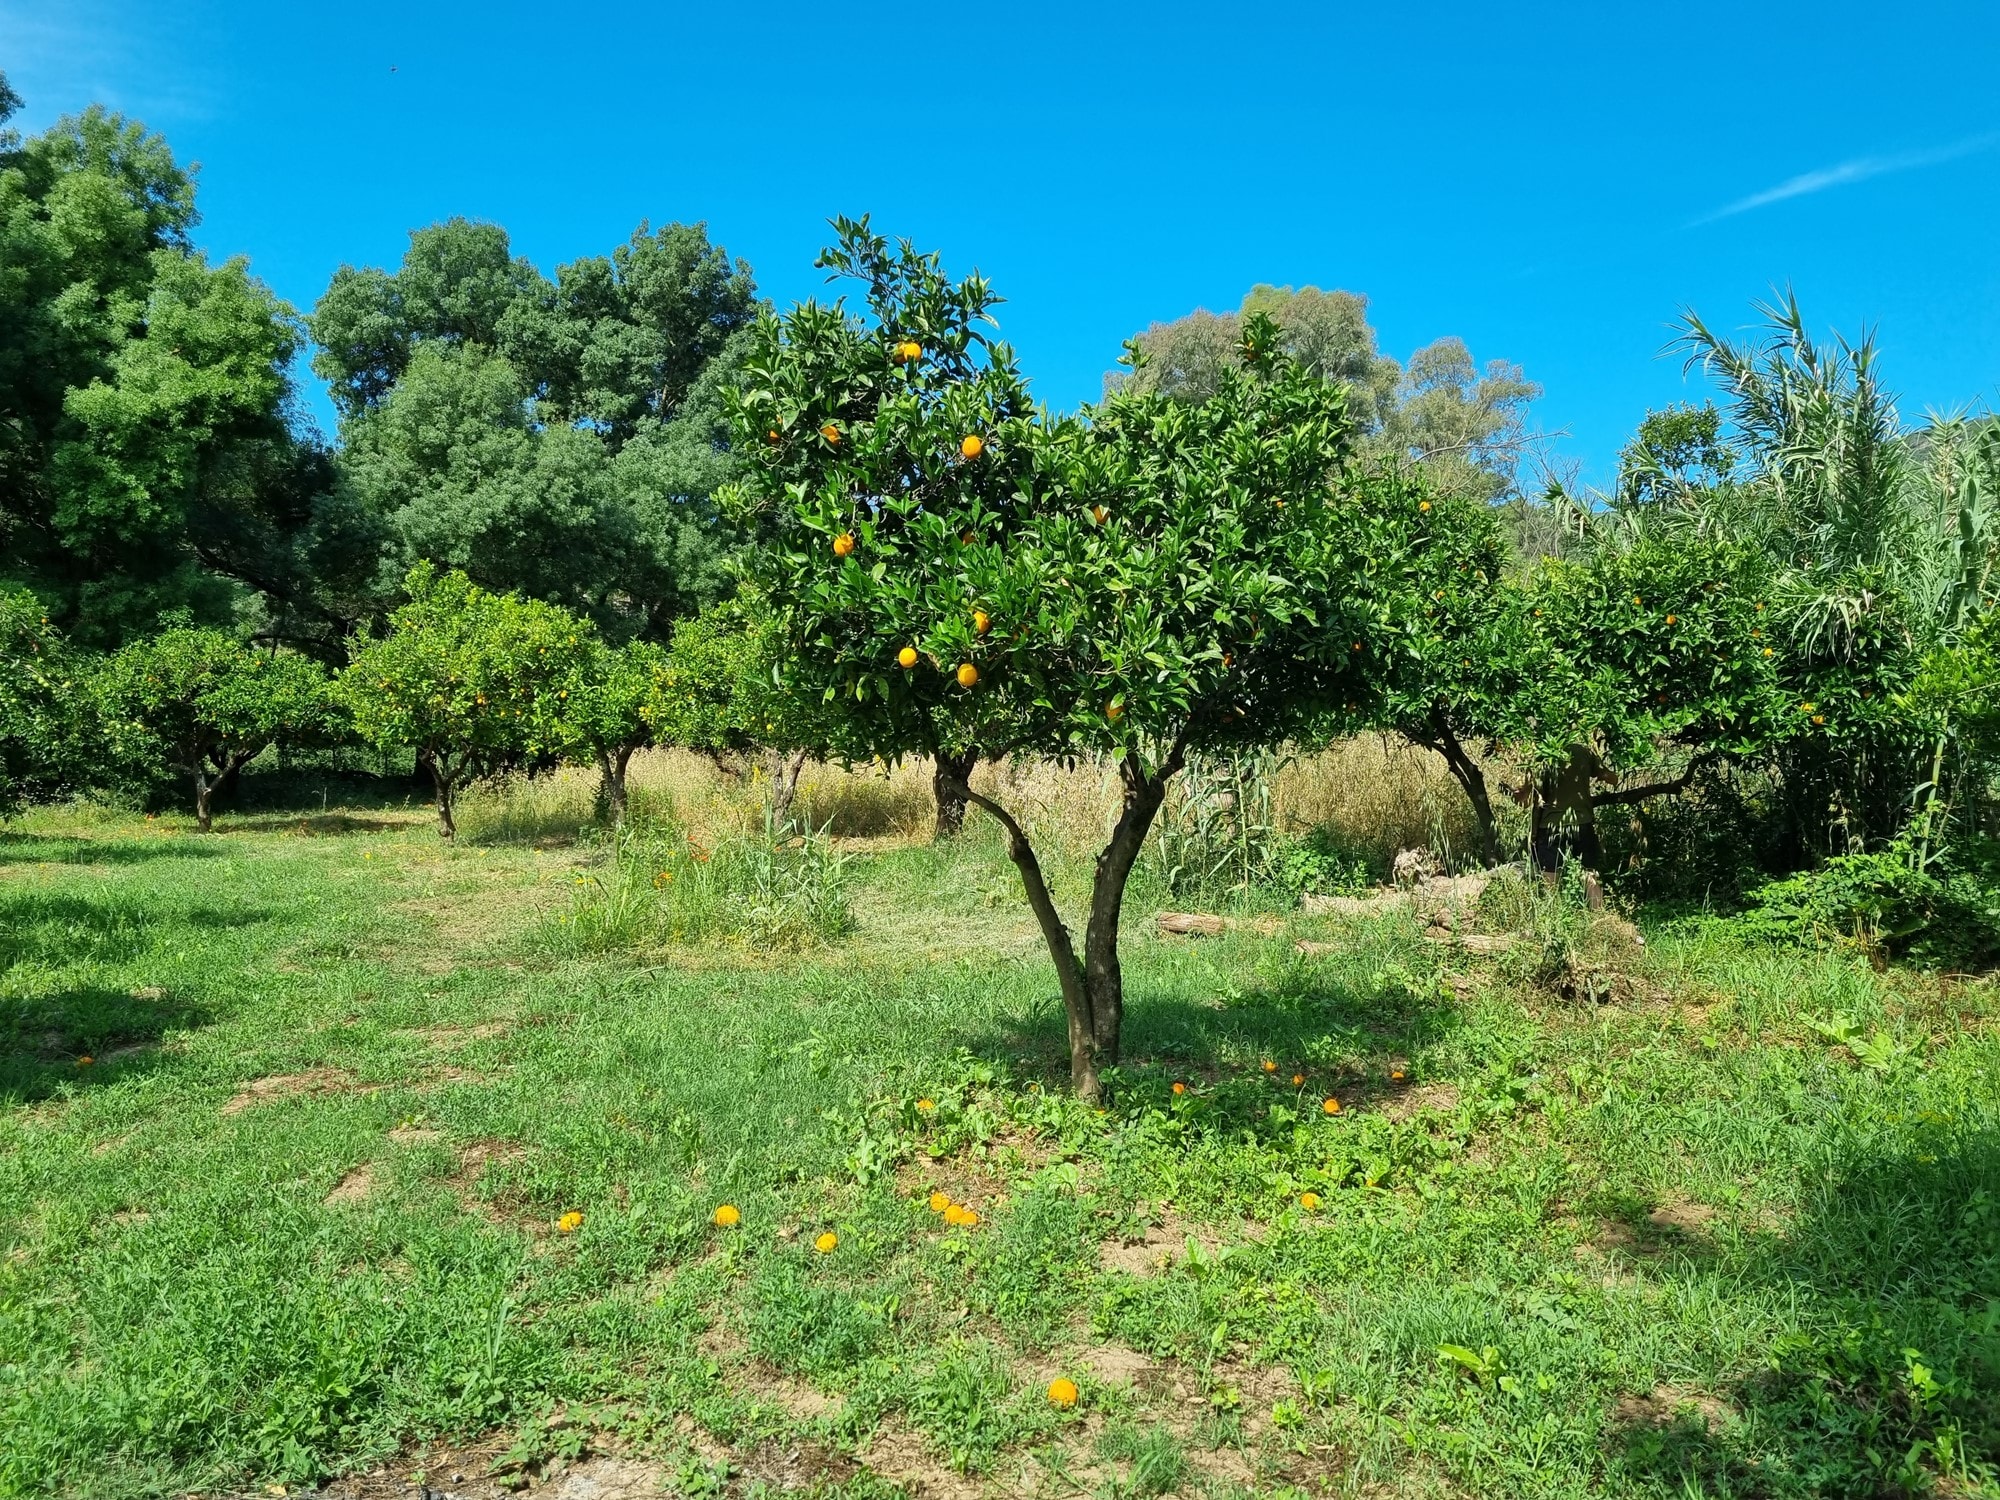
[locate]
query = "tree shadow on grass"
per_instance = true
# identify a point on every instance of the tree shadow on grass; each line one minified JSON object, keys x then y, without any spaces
{"x":1891,"y":1379}
{"x":318,"y":824}
{"x":45,"y":1039}
{"x":1321,"y":1021}
{"x":60,"y":928}
{"x":54,"y":849}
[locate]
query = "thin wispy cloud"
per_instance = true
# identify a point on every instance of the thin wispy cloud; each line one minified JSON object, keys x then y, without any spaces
{"x":1859,"y":170}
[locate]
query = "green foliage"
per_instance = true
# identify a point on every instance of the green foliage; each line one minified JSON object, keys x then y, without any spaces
{"x":560,"y":439}
{"x":463,"y":677}
{"x":1659,"y":643}
{"x":1464,"y":427}
{"x":203,"y":704}
{"x":149,"y":461}
{"x":45,"y":705}
{"x":1886,"y":905}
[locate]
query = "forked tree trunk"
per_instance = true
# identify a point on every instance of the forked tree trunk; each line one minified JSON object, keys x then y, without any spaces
{"x":611,"y":767}
{"x":1472,"y":780}
{"x":1093,"y":990}
{"x":949,"y":772}
{"x":444,"y":783}
{"x":203,"y":790}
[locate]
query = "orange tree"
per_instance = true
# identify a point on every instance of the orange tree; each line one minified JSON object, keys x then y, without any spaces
{"x":595,"y":709}
{"x":919,"y":406}
{"x":1151,"y":579}
{"x":463,"y":677}
{"x":1629,"y":656}
{"x":205,"y":705}
{"x":1460,"y":665}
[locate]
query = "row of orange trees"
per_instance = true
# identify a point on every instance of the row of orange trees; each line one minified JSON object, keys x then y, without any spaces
{"x":469,"y":681}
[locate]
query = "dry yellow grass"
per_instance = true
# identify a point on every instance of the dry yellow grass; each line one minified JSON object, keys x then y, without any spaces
{"x":1379,"y":794}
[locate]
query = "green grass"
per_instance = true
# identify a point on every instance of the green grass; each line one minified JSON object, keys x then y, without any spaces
{"x":298,"y":1214}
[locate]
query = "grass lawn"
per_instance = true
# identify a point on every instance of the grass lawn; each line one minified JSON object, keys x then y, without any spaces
{"x":300,"y":1217}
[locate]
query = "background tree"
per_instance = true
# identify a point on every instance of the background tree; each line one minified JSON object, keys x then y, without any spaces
{"x":1166,"y":577}
{"x":460,"y":676}
{"x":146,"y":439}
{"x":1465,"y":426}
{"x":596,"y":711}
{"x":562,"y":439}
{"x":204,"y":705}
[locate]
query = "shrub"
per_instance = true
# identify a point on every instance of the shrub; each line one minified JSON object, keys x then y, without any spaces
{"x":1885,"y":905}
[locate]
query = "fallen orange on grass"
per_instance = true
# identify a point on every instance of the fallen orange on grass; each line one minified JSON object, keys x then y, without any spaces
{"x":1330,"y":1106}
{"x":825,"y":1243}
{"x":954,"y":1213}
{"x":1309,"y":1201}
{"x":940,"y":1203}
{"x":1180,"y":1088}
{"x":1269,"y":1066}
{"x":569,"y":1223}
{"x":1062,"y":1391}
{"x":726,"y":1216}
{"x":1298,"y":1079}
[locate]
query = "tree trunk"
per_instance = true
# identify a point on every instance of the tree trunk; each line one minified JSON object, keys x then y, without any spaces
{"x":949,"y":772}
{"x":785,"y":772}
{"x":1465,"y":770}
{"x":442,"y":780}
{"x":1103,"y":978}
{"x":611,"y":766}
{"x":202,"y":791}
{"x":1565,"y":811}
{"x":1069,"y":974}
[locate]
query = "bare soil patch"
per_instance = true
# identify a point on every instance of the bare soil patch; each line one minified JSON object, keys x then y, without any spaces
{"x":288,"y":1085}
{"x":354,"y":1187}
{"x":1156,"y":1248}
{"x":1682,"y":1216}
{"x":1665,"y":1405}
{"x":907,"y":1458}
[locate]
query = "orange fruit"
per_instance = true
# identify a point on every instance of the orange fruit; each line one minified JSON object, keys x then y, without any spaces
{"x":1298,"y":1079}
{"x":1423,"y":505}
{"x":954,"y":1214}
{"x":968,"y":675}
{"x":726,"y":1216}
{"x":831,"y":433}
{"x":968,"y":1218}
{"x":1330,"y":1106}
{"x":1819,"y":718}
{"x":907,"y":657}
{"x":1099,"y":514}
{"x":1672,"y":618}
{"x":980,"y":623}
{"x":1767,"y":650}
{"x":927,"y":1105}
{"x":1114,"y":709}
{"x":1180,"y":1088}
{"x":907,"y":350}
{"x":1062,"y":1392}
{"x":940,"y":1202}
{"x":1269,"y":1066}
{"x":972,"y":445}
{"x":569,"y":1223}
{"x":1397,"y":1075}
{"x":843,"y":544}
{"x":825,"y":1243}
{"x":772,"y":437}
{"x":1635,"y":599}
{"x":1309,"y":1201}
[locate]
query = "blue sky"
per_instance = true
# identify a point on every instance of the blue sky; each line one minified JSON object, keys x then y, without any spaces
{"x":1549,"y":182}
